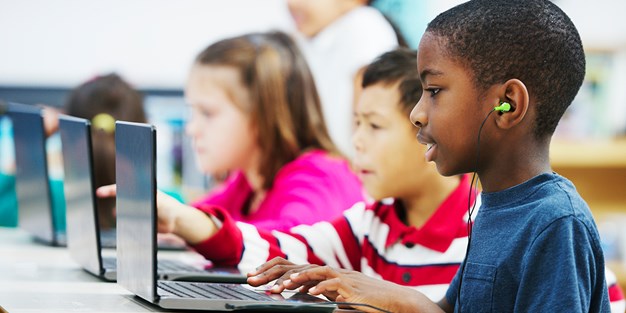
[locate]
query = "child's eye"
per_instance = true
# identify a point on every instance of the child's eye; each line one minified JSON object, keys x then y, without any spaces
{"x":374,"y":126}
{"x":433,"y":91}
{"x":205,"y":113}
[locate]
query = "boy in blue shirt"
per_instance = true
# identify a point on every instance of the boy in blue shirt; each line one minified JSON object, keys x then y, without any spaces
{"x":497,"y":76}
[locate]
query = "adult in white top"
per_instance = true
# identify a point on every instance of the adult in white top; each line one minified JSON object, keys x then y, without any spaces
{"x":338,"y":38}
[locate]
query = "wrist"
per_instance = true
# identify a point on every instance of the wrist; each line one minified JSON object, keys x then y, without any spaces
{"x":193,"y":225}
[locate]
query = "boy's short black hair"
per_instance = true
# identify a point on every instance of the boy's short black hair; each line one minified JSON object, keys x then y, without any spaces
{"x":531,"y":40}
{"x":396,"y":66}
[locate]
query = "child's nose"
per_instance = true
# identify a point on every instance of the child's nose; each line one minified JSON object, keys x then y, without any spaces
{"x":418,"y":116}
{"x":356,"y":140}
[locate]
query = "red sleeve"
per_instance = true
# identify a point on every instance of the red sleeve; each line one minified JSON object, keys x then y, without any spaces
{"x":226,"y":246}
{"x":245,"y":246}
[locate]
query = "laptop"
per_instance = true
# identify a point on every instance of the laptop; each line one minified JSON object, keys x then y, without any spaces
{"x":79,"y":183}
{"x":136,"y":241}
{"x":85,"y":238}
{"x":32,"y":184}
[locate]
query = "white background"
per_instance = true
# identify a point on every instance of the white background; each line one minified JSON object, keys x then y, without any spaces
{"x":61,"y":43}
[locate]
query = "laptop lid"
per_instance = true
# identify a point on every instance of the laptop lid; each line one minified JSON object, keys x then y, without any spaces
{"x":83,"y":239}
{"x":32,"y":185}
{"x":136,"y":185}
{"x":136,"y":230}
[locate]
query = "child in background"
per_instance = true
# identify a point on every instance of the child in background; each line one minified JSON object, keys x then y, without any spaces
{"x":256,"y":115}
{"x":338,"y":38}
{"x":414,"y":234}
{"x":103,"y":100}
{"x":491,"y":104}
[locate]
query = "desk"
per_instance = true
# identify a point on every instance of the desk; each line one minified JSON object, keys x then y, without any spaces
{"x":36,"y":278}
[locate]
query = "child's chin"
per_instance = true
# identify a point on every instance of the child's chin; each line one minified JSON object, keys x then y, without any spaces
{"x":443,"y":171}
{"x":447,"y":171}
{"x":375,"y":193}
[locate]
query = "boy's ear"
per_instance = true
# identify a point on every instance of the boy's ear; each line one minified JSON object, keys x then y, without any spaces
{"x":516,"y":94}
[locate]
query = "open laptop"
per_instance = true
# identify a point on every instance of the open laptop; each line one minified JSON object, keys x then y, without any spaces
{"x":32,"y":184}
{"x":85,"y":240}
{"x":136,"y":241}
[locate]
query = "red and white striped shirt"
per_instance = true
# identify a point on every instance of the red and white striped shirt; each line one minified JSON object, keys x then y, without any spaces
{"x":368,"y":238}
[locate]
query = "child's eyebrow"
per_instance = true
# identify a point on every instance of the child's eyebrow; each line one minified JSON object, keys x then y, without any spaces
{"x":367,"y":114}
{"x":429,"y":72}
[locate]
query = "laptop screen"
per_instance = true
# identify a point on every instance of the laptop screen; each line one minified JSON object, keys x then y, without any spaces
{"x":135,"y":172}
{"x":31,"y":172}
{"x":82,"y":220}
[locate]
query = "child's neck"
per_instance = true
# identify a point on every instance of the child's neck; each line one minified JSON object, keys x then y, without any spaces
{"x":512,"y":166}
{"x":421,"y":206}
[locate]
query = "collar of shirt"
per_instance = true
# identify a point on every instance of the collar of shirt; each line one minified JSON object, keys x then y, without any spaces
{"x":446,"y":224}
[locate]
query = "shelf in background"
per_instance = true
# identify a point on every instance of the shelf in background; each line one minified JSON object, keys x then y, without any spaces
{"x":609,"y":153}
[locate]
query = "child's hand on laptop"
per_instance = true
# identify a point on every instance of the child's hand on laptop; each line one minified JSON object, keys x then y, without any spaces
{"x":339,"y":285}
{"x":277,"y":269}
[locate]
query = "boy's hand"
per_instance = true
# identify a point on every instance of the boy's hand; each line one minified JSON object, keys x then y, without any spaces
{"x":277,"y":268}
{"x":336,"y":284}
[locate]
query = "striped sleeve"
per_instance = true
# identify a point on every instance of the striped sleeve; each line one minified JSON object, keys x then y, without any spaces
{"x":243,"y":245}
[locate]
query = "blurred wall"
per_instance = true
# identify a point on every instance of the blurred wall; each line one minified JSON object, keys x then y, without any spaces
{"x":150,"y":42}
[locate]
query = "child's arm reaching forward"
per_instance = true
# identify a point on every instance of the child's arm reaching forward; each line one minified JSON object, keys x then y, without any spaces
{"x":343,"y":285}
{"x":189,"y":223}
{"x":212,"y":232}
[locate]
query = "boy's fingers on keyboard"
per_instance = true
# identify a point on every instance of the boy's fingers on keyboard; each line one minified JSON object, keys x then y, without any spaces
{"x":313,"y":274}
{"x":267,"y":265}
{"x":269,"y":271}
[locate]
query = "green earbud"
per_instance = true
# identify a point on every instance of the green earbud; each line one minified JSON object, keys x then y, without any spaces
{"x":503,"y":107}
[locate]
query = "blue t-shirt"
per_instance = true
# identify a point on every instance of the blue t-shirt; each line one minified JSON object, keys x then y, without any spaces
{"x":534,"y":248}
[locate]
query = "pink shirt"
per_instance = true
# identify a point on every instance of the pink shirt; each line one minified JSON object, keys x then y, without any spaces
{"x":312,"y":188}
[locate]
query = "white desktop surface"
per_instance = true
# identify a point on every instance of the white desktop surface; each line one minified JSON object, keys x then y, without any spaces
{"x":39,"y":278}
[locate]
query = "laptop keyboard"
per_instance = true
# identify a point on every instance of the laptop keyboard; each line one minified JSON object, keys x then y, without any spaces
{"x":175,"y":266}
{"x":166,"y":266}
{"x":212,"y":291}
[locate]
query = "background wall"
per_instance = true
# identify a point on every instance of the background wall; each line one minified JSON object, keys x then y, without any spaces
{"x":150,"y":42}
{"x":61,"y":43}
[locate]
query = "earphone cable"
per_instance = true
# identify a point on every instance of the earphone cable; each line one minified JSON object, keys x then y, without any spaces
{"x":470,"y":209}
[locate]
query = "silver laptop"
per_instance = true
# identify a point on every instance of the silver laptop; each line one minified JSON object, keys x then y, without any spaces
{"x":85,"y":238}
{"x":136,"y":241}
{"x":32,"y":183}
